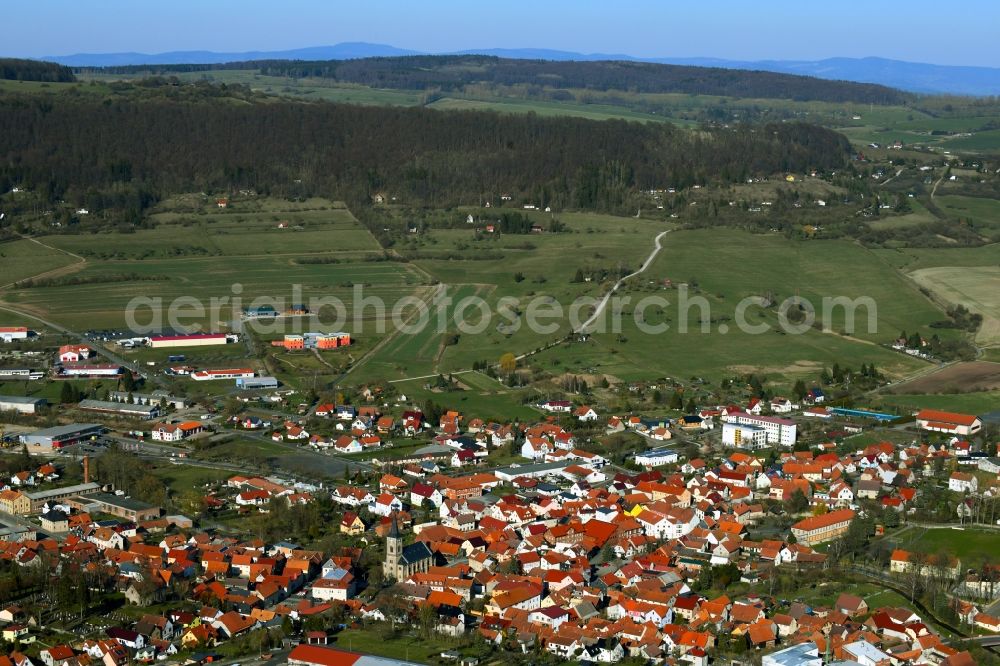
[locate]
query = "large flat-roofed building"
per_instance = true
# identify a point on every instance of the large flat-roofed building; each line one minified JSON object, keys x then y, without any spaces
{"x":84,"y":369}
{"x":122,"y":408}
{"x":803,"y":654}
{"x":192,"y":340}
{"x":60,"y":436}
{"x":38,"y":499}
{"x":779,"y":431}
{"x":249,"y":383}
{"x":17,"y":403}
{"x":314,"y":340}
{"x":656,"y":457}
{"x":744,"y":436}
{"x":16,"y":532}
{"x":224,"y":373}
{"x":116,"y":505}
{"x":531,"y":471}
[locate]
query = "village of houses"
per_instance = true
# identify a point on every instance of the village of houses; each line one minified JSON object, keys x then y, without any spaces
{"x":558,"y":555}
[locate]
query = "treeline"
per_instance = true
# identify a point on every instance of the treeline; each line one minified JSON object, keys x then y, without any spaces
{"x":452,"y":73}
{"x":15,"y":69}
{"x":73,"y":280}
{"x":151,"y":147}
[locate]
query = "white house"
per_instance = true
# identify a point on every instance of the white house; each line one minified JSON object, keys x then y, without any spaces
{"x":385,"y":505}
{"x":963,"y":482}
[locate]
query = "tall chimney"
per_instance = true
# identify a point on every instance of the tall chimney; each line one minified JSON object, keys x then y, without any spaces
{"x":86,"y":469}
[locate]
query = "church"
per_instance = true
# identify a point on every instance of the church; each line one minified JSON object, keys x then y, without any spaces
{"x":403,"y":561}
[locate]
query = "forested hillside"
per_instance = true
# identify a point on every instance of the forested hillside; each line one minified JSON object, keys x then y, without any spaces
{"x":32,"y":70}
{"x":129,"y":152}
{"x":451,"y":73}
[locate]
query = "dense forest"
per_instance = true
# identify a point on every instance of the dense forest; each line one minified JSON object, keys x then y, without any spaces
{"x":126,"y":153}
{"x":13,"y":69}
{"x":452,"y":73}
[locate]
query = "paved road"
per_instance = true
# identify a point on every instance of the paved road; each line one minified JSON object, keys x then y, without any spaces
{"x":607,"y":297}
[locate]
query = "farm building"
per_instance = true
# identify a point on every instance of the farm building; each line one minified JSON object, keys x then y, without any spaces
{"x":174,"y":432}
{"x":123,"y":408}
{"x":74,"y":353}
{"x":224,"y":373}
{"x":948,"y":422}
{"x":249,"y":383}
{"x":60,"y":436}
{"x":17,"y":403}
{"x":193,"y":340}
{"x":11,"y":333}
{"x":90,"y":370}
{"x":817,"y":529}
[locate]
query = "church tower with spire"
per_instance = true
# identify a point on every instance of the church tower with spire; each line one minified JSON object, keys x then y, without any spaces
{"x":403,"y":561}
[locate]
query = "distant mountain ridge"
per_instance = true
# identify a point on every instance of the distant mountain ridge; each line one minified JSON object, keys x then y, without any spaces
{"x":909,"y":76}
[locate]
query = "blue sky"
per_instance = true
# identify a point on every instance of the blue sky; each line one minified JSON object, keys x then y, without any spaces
{"x":917,"y":30}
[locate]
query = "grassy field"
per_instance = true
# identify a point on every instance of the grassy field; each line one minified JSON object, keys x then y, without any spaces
{"x":754,"y":265}
{"x":760,"y":264}
{"x":983,"y":214}
{"x":181,"y":478}
{"x":975,"y":287}
{"x":200,"y":253}
{"x":969,"y":545}
{"x":968,"y":403}
{"x":408,"y":648}
{"x":22,"y":259}
{"x":911,"y":258}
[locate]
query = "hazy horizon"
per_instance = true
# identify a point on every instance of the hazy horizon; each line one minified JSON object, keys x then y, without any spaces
{"x":768,"y":30}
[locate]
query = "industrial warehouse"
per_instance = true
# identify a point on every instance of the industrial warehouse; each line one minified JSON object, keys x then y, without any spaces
{"x":88,"y":370}
{"x":222,"y":373}
{"x":147,"y":411}
{"x":249,"y":383}
{"x":17,"y":403}
{"x":60,"y":436}
{"x":192,"y":340}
